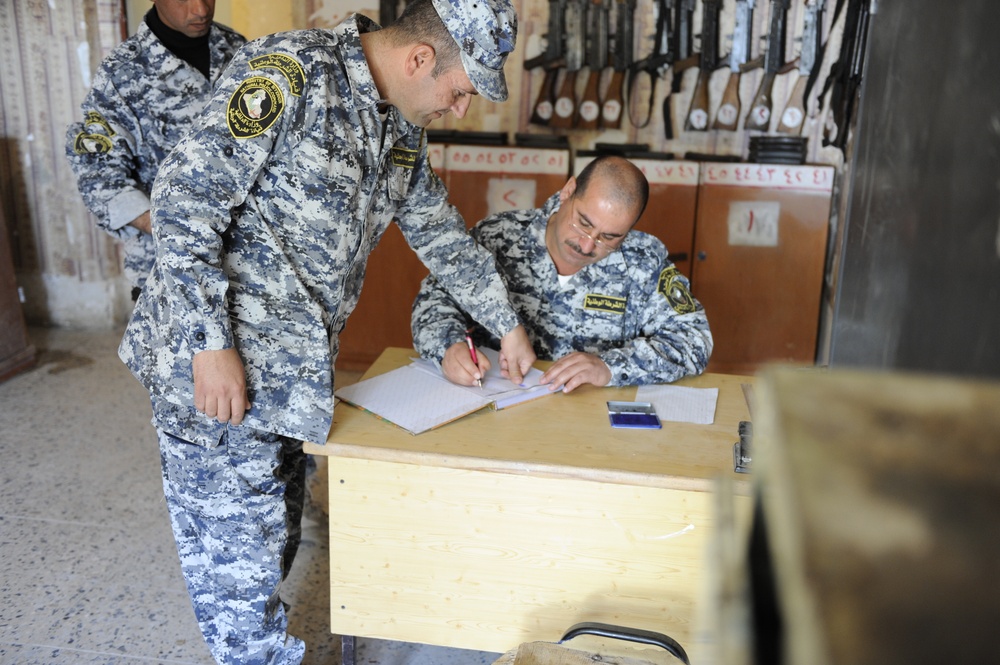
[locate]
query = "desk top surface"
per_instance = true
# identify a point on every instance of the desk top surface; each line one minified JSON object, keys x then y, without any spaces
{"x":562,"y":435}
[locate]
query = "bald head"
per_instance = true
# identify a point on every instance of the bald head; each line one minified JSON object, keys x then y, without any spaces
{"x":618,"y":180}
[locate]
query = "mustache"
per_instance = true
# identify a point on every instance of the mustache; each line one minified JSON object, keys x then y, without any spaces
{"x":576,"y":248}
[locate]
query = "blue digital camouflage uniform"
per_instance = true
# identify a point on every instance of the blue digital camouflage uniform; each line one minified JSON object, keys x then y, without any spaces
{"x":264,"y":217}
{"x":633,"y":308}
{"x":142,"y":101}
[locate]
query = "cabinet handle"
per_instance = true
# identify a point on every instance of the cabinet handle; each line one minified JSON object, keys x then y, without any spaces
{"x":702,"y":256}
{"x":638,"y":635}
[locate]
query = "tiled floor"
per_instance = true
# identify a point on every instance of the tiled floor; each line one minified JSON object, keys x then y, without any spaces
{"x":88,"y":569}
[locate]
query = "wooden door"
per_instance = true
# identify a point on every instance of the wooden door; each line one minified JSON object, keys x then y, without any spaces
{"x":760,"y":250}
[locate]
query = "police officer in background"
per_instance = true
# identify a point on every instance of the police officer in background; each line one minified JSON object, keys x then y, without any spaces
{"x":604,"y":302}
{"x":143,"y":100}
{"x":264,"y":216}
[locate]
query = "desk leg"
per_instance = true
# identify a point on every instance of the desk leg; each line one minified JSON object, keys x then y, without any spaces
{"x":347,"y":649}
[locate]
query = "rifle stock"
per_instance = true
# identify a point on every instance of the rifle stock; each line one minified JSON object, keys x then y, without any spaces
{"x":565,"y":102}
{"x":590,"y":103}
{"x":728,"y":115}
{"x":611,"y":110}
{"x":795,"y":112}
{"x":545,"y":103}
{"x":697,"y":118}
{"x":760,"y":107}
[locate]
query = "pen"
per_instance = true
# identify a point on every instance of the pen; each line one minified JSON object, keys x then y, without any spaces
{"x":472,"y":354}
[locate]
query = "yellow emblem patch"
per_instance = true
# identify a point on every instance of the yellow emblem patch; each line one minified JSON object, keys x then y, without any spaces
{"x":609,"y":304}
{"x":254,"y":107}
{"x":95,"y":118}
{"x":671,"y":285}
{"x":85,"y":144}
{"x":403,"y":157}
{"x":289,"y":67}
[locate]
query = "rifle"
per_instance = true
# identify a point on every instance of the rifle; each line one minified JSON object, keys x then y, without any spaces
{"x":611,"y":112}
{"x":589,"y":110}
{"x":682,"y":52}
{"x":728,"y":115}
{"x":574,"y":29}
{"x":844,"y":81}
{"x":774,"y":60}
{"x":809,"y":59}
{"x":708,"y":62}
{"x":550,"y":61}
{"x":656,"y":64}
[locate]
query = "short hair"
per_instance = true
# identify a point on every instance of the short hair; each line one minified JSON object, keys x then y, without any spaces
{"x":420,"y":23}
{"x":631,"y":189}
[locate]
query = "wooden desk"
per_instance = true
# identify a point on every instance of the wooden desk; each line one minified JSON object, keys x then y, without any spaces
{"x":510,"y":526}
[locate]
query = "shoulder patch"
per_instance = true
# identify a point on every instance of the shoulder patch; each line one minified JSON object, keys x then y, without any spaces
{"x":403,"y":157}
{"x":85,"y":143}
{"x":95,"y":118}
{"x":254,"y":107}
{"x":609,"y":304}
{"x":288,"y":66}
{"x":671,"y":286}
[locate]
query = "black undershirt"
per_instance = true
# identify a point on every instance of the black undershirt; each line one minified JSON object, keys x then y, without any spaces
{"x":192,"y":50}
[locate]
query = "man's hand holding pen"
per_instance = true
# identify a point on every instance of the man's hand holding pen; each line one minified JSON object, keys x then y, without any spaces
{"x":462,"y":365}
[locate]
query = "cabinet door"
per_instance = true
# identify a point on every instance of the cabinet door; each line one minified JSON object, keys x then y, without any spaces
{"x":760,"y":249}
{"x":484,"y":180}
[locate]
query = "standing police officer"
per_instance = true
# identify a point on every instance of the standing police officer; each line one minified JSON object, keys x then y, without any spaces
{"x":264,"y":217}
{"x":143,"y":100}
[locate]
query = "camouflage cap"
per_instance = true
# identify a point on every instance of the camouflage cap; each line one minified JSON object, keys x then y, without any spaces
{"x":485,"y":31}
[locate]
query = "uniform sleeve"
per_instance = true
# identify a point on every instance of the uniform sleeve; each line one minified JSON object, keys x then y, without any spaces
{"x":207,"y":175}
{"x":436,"y":321}
{"x":464,"y":269}
{"x":102,"y":154}
{"x":674,"y":339}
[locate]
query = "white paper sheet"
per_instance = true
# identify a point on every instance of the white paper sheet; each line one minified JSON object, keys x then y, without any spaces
{"x":680,"y":404}
{"x":413,"y":399}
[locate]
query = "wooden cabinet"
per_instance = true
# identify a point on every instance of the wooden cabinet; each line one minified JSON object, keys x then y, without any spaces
{"x":759,"y":258}
{"x":16,"y":353}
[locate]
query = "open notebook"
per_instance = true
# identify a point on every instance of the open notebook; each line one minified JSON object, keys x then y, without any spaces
{"x":418,"y":398}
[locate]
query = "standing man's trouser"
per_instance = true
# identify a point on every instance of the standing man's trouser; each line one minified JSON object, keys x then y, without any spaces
{"x":236,"y":511}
